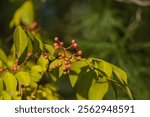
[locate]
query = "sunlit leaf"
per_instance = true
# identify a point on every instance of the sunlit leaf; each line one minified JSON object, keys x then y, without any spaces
{"x":75,"y":69}
{"x":121,"y":75}
{"x":49,"y":48}
{"x":98,"y":89}
{"x":6,"y":96}
{"x":35,"y":76}
{"x":43,"y":63}
{"x":36,"y":68}
{"x":27,"y":15}
{"x":3,"y":56}
{"x":1,"y":87}
{"x":20,"y":41}
{"x":23,"y":78}
{"x":10,"y":83}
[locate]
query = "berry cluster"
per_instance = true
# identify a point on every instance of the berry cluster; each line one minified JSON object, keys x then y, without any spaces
{"x":76,"y":54}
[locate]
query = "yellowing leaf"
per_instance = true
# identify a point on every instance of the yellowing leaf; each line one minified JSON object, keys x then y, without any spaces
{"x":20,"y":41}
{"x":23,"y":78}
{"x":10,"y":83}
{"x":35,"y":76}
{"x":6,"y":96}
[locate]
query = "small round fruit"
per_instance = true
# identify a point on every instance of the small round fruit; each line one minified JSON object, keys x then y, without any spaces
{"x":56,"y":39}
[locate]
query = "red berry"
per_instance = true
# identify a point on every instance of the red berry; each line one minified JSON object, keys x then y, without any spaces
{"x":56,"y":39}
{"x":60,"y":64}
{"x":75,"y":45}
{"x":63,"y":55}
{"x":79,"y":52}
{"x":14,"y":69}
{"x":69,"y":56}
{"x":55,"y":44}
{"x":1,"y":69}
{"x":69,"y":65}
{"x":29,"y":54}
{"x":17,"y":60}
{"x":65,"y":69}
{"x":46,"y":57}
{"x":66,"y":62}
{"x":61,"y":43}
{"x":73,"y":41}
{"x":57,"y":47}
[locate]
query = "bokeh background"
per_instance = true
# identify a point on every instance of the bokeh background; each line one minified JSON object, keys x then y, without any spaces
{"x":117,"y":31}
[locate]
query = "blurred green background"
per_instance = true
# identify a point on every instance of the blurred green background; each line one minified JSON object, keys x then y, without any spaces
{"x":117,"y":31}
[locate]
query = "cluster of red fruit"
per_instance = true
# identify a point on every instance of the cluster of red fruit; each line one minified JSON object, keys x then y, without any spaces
{"x":59,"y":46}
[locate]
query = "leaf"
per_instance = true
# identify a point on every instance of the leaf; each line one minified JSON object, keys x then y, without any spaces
{"x":16,"y":18}
{"x":6,"y":96}
{"x":10,"y":83}
{"x":27,"y":13}
{"x":84,"y":83}
{"x":37,"y":43}
{"x":1,"y":87}
{"x":20,"y":41}
{"x":49,"y":48}
{"x":35,"y":76}
{"x":98,"y":89}
{"x":36,"y":68}
{"x":75,"y":69}
{"x":3,"y":56}
{"x":24,"y":14}
{"x":121,"y":75}
{"x":105,"y":67}
{"x":43,"y":63}
{"x":23,"y":78}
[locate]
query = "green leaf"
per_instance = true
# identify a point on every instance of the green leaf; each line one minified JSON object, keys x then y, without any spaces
{"x":24,"y":14}
{"x":75,"y":69}
{"x":35,"y":76}
{"x":49,"y":48}
{"x":36,"y":68}
{"x":3,"y":56}
{"x":27,"y":10}
{"x":6,"y":96}
{"x":121,"y":75}
{"x":98,"y":89}
{"x":105,"y":67}
{"x":1,"y":87}
{"x":43,"y":63}
{"x":37,"y":43}
{"x":23,"y":78}
{"x":20,"y":41}
{"x":10,"y":83}
{"x":84,"y":83}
